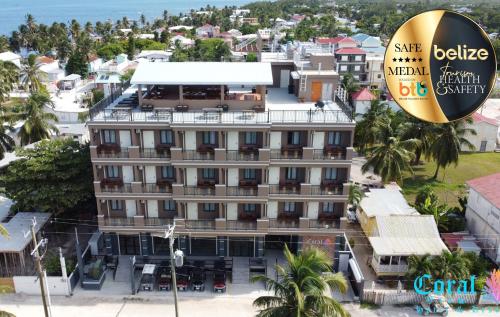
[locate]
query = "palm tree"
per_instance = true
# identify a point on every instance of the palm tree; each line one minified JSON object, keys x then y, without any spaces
{"x":449,"y":139}
{"x":32,"y":75}
{"x":367,"y":128}
{"x":300,"y":287}
{"x":7,"y":143}
{"x":37,"y":123}
{"x":355,"y":194}
{"x":8,"y":77}
{"x":414,"y":128}
{"x":350,"y":84}
{"x":3,"y":231}
{"x":419,"y":265}
{"x":451,"y":266}
{"x":391,"y":156}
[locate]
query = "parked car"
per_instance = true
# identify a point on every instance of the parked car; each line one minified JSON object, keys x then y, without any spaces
{"x":148,"y":277}
{"x":183,"y":276}
{"x":198,"y":279}
{"x":164,"y":279}
{"x":433,"y":304}
{"x":219,"y":281}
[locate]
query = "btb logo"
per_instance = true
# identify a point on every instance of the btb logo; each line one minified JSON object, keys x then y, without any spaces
{"x":412,"y":89}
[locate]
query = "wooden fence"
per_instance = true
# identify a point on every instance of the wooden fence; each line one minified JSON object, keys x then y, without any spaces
{"x":393,"y":297}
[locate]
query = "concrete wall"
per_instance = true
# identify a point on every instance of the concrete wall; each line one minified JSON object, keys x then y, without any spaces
{"x":30,"y":285}
{"x":485,"y":132}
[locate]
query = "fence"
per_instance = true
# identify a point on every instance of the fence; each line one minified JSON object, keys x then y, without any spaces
{"x":394,"y":297}
{"x":30,"y":285}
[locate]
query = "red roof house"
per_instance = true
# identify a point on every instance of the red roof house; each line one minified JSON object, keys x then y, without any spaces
{"x":477,"y":117}
{"x":488,"y":187}
{"x":363,"y":95}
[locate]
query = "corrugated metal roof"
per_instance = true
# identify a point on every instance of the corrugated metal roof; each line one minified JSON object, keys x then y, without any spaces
{"x":385,"y":202}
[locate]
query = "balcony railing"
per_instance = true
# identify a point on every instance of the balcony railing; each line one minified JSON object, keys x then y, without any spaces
{"x":328,"y":155}
{"x":284,"y":190}
{"x":125,"y":188}
{"x":231,"y":117}
{"x":119,"y":222}
{"x":330,"y":190}
{"x":158,"y":221}
{"x":241,"y":191}
{"x":278,"y":223}
{"x":194,"y":155}
{"x":242,"y":156}
{"x":388,"y":268}
{"x":194,"y":190}
{"x":241,"y":225}
{"x":123,"y":153}
{"x":286,"y":155}
{"x":155,"y":188}
{"x":324,"y":224}
{"x":200,"y":224}
{"x":154,"y":153}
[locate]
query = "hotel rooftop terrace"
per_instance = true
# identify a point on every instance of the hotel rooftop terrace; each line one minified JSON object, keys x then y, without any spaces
{"x":240,"y":87}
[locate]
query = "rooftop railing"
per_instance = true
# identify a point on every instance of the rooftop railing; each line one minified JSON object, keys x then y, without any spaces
{"x":231,"y":117}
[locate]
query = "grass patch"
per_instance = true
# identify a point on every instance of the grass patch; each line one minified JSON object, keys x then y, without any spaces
{"x":450,"y":183}
{"x":370,"y":306}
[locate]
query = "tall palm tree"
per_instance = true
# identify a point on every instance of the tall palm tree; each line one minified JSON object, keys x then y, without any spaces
{"x":415,"y":128}
{"x":300,"y":287}
{"x":37,"y":123}
{"x":8,"y":77}
{"x":32,"y":75}
{"x":7,"y":143}
{"x":451,"y":266}
{"x":391,"y":156}
{"x":366,"y":132}
{"x":449,"y":139}
{"x":355,"y":194}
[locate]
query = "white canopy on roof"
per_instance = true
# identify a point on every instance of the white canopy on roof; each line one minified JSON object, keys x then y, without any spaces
{"x":203,"y":73}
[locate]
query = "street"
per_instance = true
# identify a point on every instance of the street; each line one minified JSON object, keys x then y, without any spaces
{"x":155,"y":306}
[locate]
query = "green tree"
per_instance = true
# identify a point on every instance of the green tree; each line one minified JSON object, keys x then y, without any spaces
{"x":355,"y":194}
{"x":251,"y":57}
{"x":38,"y":124}
{"x":77,"y":64}
{"x":439,"y":212}
{"x":54,"y":176}
{"x":423,"y":131}
{"x":6,"y":141}
{"x":450,"y":266}
{"x":8,"y":78}
{"x":423,"y":193}
{"x":32,"y":75}
{"x":4,"y":43}
{"x":448,"y":140}
{"x":109,"y":51}
{"x":350,"y":84}
{"x":300,"y":287}
{"x":366,"y":133}
{"x":419,"y":265}
{"x":131,"y":46}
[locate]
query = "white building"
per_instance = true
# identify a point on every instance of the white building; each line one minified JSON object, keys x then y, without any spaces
{"x":184,"y":41}
{"x":154,"y":56}
{"x":487,"y":133}
{"x":483,"y":213}
{"x":375,"y":71}
{"x":11,"y":57}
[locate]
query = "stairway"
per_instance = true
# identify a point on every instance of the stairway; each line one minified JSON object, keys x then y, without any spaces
{"x":123,"y":270}
{"x":239,"y":47}
{"x":241,"y":274}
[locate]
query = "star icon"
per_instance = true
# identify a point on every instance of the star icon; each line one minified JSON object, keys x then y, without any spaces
{"x":394,"y":59}
{"x":400,"y":59}
{"x":420,"y":59}
{"x":407,"y":59}
{"x":414,"y":59}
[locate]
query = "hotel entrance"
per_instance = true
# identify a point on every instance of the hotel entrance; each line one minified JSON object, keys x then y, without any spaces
{"x":203,"y":246}
{"x":129,"y":245}
{"x":242,"y":246}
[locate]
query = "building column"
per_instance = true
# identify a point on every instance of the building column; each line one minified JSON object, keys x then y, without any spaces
{"x":139,"y":94}
{"x":222,"y":94}
{"x":221,"y":139}
{"x":221,"y":176}
{"x":181,"y":94}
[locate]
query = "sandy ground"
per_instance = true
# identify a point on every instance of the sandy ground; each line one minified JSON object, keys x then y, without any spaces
{"x":156,"y":306}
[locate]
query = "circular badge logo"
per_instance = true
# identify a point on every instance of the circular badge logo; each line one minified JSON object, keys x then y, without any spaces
{"x":440,"y":66}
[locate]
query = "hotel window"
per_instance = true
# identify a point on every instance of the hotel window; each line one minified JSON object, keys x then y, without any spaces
{"x":334,"y":137}
{"x":289,"y":207}
{"x":209,"y":207}
{"x":358,"y":58}
{"x":249,"y":208}
{"x":328,"y":208}
{"x":291,"y":173}
{"x":208,"y":173}
{"x":344,"y":58}
{"x":294,"y":137}
{"x":116,"y":205}
{"x":109,"y":136}
{"x":357,"y":68}
{"x":166,"y":137}
{"x":208,"y":137}
{"x":250,"y":137}
{"x":343,"y":68}
{"x":367,"y":65}
{"x":112,"y":171}
{"x":331,"y":173}
{"x":249,"y":173}
{"x":169,"y":205}
{"x":379,"y":76}
{"x":167,"y":172}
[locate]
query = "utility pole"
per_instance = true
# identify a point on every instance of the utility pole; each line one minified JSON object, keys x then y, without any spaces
{"x":38,"y":266}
